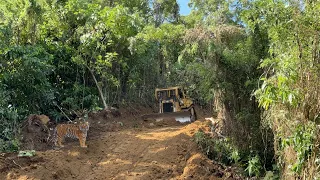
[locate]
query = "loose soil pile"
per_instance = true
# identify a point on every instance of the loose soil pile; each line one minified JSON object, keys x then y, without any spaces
{"x":124,"y":147}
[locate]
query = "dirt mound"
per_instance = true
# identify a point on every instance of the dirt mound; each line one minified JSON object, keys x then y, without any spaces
{"x":35,"y":133}
{"x":198,"y":165}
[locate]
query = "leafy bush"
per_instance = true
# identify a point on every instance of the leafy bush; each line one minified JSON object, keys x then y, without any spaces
{"x":223,"y":150}
{"x":217,"y":149}
{"x":9,"y":124}
{"x":271,"y":176}
{"x":80,"y":97}
{"x":302,"y":140}
{"x":25,"y":77}
{"x":254,"y":166}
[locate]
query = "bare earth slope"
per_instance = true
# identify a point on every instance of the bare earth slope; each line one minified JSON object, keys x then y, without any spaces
{"x":140,"y":151}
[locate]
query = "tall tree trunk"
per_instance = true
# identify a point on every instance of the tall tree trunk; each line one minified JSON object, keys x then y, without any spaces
{"x":98,"y":87}
{"x":158,"y":17}
{"x":162,"y":67}
{"x":124,"y":84}
{"x":157,"y":14}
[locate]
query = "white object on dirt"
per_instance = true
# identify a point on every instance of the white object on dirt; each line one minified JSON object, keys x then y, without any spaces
{"x":159,"y":119}
{"x":210,"y":119}
{"x":183,"y":119}
{"x":28,"y":153}
{"x":213,"y":121}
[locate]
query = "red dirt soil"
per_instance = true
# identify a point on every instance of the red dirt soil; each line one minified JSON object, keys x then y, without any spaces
{"x":121,"y":148}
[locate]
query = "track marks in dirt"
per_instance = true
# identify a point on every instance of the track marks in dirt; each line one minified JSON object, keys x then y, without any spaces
{"x":157,"y":153}
{"x":133,"y":157}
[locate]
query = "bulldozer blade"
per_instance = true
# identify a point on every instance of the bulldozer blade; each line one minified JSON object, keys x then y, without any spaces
{"x":181,"y":116}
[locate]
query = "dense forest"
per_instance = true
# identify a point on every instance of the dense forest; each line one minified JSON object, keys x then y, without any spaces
{"x":255,"y":63}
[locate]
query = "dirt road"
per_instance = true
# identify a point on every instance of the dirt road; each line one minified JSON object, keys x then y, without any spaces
{"x":154,"y":152}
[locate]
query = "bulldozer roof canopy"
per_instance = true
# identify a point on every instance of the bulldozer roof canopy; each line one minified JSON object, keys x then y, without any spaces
{"x":169,"y":88}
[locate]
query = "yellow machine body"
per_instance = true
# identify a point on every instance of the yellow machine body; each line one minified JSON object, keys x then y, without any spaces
{"x":173,"y":104}
{"x":172,"y":99}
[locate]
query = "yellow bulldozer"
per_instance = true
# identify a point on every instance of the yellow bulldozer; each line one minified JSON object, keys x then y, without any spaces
{"x":173,"y":103}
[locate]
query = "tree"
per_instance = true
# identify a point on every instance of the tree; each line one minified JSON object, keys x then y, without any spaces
{"x":289,"y":90}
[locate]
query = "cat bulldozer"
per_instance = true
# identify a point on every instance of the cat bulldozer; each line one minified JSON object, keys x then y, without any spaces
{"x":173,"y":104}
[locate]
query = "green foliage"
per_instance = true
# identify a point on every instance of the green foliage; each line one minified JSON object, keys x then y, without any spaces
{"x":271,"y":176}
{"x":56,"y":53}
{"x":302,"y":140}
{"x":212,"y":11}
{"x":235,"y":156}
{"x":9,"y":124}
{"x":81,"y":98}
{"x":290,"y":77}
{"x":220,"y":62}
{"x":254,"y":166}
{"x":218,"y":149}
{"x":25,"y":76}
{"x":222,"y":150}
{"x":51,"y":50}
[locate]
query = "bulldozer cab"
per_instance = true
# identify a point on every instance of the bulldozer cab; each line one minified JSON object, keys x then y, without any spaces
{"x":173,"y":103}
{"x":172,"y":99}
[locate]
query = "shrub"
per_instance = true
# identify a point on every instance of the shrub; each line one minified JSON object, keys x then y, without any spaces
{"x":9,"y":129}
{"x":217,"y":149}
